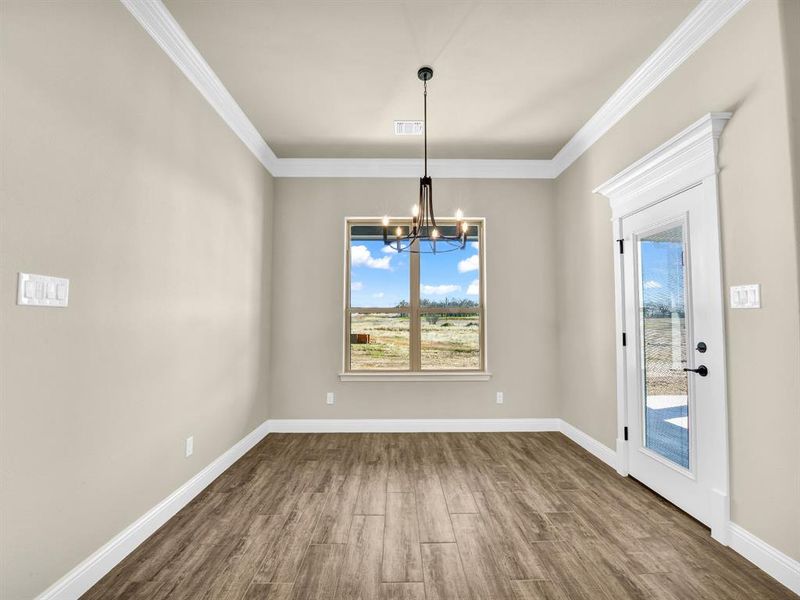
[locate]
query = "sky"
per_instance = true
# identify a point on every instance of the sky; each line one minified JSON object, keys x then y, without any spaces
{"x":662,"y":273}
{"x":379,"y":276}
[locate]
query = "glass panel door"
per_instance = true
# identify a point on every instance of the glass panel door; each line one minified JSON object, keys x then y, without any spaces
{"x":662,"y":310}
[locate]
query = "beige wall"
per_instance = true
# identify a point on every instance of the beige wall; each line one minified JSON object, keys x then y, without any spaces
{"x":118,"y":175}
{"x":307,"y":300}
{"x":790,"y":20}
{"x":740,"y":69}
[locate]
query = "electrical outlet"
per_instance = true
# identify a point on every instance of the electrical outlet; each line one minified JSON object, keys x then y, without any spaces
{"x":189,"y":446}
{"x":331,"y":398}
{"x":499,"y":397}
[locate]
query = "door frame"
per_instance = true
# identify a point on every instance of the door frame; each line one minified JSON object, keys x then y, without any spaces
{"x":687,"y":160}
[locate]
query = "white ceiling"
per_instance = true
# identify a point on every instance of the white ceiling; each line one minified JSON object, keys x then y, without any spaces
{"x":513,"y":79}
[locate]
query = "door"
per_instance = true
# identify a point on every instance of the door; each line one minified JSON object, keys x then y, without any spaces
{"x":673,"y":370}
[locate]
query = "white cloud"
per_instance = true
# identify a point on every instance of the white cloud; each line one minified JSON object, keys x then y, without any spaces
{"x":356,"y":286}
{"x":652,"y":285}
{"x":475,"y":245}
{"x":360,"y":256}
{"x":389,"y":249}
{"x":469,"y":264}
{"x":474,"y":288}
{"x":439,"y":290}
{"x":377,"y":295}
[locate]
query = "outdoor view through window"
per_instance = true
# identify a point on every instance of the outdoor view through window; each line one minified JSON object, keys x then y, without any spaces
{"x":413,"y":312}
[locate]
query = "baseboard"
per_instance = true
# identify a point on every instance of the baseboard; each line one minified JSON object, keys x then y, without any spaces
{"x":772,"y":561}
{"x":591,"y":445}
{"x":410,"y":425}
{"x":75,"y":583}
{"x":86,"y":574}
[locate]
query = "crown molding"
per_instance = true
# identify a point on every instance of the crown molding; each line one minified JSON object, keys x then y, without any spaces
{"x":412,"y":167}
{"x":165,"y":30}
{"x":705,"y":20}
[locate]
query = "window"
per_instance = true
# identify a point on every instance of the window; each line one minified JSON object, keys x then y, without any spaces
{"x":413,"y":313}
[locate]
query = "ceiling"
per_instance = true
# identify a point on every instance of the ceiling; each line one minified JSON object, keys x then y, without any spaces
{"x":512,"y":79}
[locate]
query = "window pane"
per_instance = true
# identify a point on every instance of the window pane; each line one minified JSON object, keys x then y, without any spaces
{"x":379,"y":276}
{"x":451,"y":278}
{"x":663,"y":329}
{"x":379,"y":341}
{"x":451,"y":341}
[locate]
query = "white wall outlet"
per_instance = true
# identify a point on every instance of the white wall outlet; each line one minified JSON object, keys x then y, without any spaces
{"x":42,"y":290}
{"x":746,"y":296}
{"x":499,"y":397}
{"x":189,"y":446}
{"x":331,"y":398}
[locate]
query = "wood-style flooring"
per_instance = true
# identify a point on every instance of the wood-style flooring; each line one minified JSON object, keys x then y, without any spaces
{"x":462,"y":516}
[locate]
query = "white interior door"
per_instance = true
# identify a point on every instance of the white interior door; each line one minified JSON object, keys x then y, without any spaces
{"x":674,"y":352}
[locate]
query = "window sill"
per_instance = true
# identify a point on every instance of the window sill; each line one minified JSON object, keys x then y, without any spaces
{"x":424,"y":376}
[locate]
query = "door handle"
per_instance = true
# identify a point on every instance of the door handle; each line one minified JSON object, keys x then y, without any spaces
{"x":702,"y":370}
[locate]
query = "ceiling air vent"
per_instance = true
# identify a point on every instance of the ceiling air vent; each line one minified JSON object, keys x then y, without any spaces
{"x":408,"y":127}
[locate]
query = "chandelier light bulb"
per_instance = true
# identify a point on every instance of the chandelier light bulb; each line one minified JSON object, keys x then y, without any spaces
{"x":399,"y":232}
{"x":465,"y":227}
{"x":385,"y":220}
{"x":435,"y":233}
{"x":459,"y":215}
{"x":415,"y":210}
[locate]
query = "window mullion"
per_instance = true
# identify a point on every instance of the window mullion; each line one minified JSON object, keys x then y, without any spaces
{"x":415,"y":345}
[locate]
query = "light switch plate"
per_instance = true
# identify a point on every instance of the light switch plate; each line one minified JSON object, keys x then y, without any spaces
{"x":42,"y":290}
{"x":500,"y":397}
{"x":189,"y":446}
{"x":746,"y":296}
{"x":330,"y":398}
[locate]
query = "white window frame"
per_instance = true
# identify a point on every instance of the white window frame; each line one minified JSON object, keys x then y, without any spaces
{"x":415,"y":312}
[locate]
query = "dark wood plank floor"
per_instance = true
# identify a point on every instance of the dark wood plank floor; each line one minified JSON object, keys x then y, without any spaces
{"x":517,"y":516}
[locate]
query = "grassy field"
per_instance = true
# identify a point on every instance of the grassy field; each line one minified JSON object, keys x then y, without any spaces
{"x":453,"y":342}
{"x":664,"y":371}
{"x":448,"y":342}
{"x":388,"y":345}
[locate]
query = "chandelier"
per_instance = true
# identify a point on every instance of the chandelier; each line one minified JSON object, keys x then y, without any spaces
{"x":421,"y":234}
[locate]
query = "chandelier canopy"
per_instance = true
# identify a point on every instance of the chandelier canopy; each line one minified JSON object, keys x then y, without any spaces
{"x":422,"y":234}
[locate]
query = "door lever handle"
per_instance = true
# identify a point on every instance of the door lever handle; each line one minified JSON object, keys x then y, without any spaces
{"x":702,"y":370}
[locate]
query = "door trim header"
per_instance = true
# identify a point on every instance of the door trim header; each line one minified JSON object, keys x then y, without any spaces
{"x":677,"y":164}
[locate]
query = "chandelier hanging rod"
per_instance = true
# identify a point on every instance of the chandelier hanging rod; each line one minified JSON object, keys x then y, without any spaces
{"x":423,"y":226}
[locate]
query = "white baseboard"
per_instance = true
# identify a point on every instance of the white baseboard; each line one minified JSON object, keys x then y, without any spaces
{"x":70,"y":587}
{"x":591,"y":445}
{"x":410,"y":425}
{"x":770,"y":560}
{"x":86,"y":574}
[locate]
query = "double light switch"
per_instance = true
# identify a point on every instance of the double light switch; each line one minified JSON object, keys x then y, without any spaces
{"x":42,"y":290}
